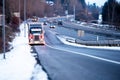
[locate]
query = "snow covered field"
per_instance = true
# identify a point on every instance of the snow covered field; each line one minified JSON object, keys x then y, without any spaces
{"x":19,"y":63}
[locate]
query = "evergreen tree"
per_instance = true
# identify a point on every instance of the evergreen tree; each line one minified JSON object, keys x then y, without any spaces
{"x":111,"y":12}
{"x":94,"y":10}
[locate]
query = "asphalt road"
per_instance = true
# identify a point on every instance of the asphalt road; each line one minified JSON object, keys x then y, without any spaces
{"x":63,"y":62}
{"x":87,"y":36}
{"x":115,"y":34}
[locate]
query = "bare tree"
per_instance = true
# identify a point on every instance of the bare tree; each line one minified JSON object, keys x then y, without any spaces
{"x":58,"y":8}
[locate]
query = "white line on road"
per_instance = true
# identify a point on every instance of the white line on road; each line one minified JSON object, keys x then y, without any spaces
{"x":91,"y":56}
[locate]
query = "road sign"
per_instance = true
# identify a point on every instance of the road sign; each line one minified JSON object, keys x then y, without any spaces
{"x":17,"y":14}
{"x":1,"y":20}
{"x":66,"y":12}
{"x":80,"y":33}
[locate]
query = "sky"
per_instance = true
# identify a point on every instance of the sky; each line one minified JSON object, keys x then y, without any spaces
{"x":98,"y":2}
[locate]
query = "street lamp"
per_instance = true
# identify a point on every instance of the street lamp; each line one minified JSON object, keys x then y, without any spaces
{"x":3,"y":30}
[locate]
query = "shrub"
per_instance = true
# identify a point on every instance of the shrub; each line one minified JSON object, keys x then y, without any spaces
{"x":9,"y":36}
{"x":15,"y":24}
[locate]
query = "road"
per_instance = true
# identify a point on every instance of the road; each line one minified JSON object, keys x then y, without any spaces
{"x":92,"y":29}
{"x":63,"y":62}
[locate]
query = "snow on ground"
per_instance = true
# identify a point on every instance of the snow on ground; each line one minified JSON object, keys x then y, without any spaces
{"x":63,"y":39}
{"x":19,"y":63}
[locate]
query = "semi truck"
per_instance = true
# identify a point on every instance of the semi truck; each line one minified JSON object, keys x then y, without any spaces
{"x":35,"y":33}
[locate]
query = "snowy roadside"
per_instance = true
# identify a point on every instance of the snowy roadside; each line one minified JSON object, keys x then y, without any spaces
{"x":19,"y":63}
{"x":70,"y":41}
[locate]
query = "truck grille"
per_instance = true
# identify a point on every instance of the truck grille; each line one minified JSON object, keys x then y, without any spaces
{"x":36,"y":38}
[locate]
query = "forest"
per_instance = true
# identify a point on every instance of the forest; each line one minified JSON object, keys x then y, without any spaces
{"x":111,"y":13}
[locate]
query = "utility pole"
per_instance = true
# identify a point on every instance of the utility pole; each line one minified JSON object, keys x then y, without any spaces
{"x":19,"y":3}
{"x":66,"y":2}
{"x":113,"y":13}
{"x":3,"y":30}
{"x":24,"y":18}
{"x":74,"y":11}
{"x":19,"y":11}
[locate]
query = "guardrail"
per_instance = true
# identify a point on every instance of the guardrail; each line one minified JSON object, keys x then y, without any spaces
{"x":95,"y":43}
{"x":99,"y":43}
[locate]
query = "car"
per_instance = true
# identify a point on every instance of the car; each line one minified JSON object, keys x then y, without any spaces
{"x":60,"y":23}
{"x":52,"y":26}
{"x":44,"y":23}
{"x":78,"y":22}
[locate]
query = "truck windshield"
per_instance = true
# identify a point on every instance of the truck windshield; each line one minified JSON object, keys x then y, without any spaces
{"x":34,"y":30}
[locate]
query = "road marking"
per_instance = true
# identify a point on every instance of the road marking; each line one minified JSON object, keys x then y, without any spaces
{"x":91,"y":56}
